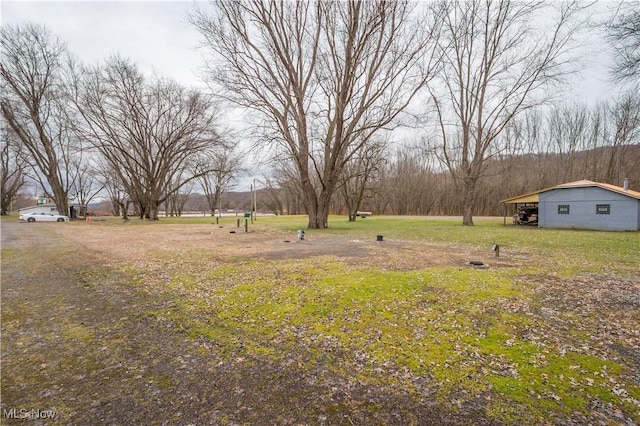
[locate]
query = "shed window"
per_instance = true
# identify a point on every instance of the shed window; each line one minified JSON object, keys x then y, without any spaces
{"x":563,"y":209}
{"x":603,"y":209}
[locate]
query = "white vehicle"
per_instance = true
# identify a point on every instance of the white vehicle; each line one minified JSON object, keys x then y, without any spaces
{"x":43,"y":217}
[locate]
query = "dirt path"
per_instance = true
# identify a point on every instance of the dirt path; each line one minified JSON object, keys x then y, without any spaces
{"x":80,"y":345}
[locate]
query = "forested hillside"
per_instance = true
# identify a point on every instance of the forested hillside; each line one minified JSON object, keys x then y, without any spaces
{"x":407,"y":185}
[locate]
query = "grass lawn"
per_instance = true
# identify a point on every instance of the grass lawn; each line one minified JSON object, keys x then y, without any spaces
{"x":509,"y":336}
{"x":549,"y":332}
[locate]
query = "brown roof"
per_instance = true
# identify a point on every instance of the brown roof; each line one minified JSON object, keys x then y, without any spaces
{"x":607,"y":186}
{"x":576,"y":184}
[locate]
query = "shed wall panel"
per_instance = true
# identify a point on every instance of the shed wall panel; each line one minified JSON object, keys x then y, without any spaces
{"x":582,"y":202}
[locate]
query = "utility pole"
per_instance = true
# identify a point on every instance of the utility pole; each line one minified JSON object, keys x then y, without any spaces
{"x":255,"y":204}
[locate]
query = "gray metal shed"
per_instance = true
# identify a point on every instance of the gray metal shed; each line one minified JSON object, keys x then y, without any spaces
{"x":587,"y":205}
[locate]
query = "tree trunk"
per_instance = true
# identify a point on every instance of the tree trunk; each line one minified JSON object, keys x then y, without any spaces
{"x":469,"y":200}
{"x":60,"y":199}
{"x":318,"y":210}
{"x":154,"y":211}
{"x":125,"y":210}
{"x":319,"y":219}
{"x":215,"y":202}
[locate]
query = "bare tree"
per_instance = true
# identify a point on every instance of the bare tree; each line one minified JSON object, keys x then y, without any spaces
{"x":410,"y":188}
{"x":273,"y":196}
{"x":12,"y":168}
{"x":625,"y":114}
{"x":496,"y":63}
{"x":285,"y":185}
{"x":358,"y":176}
{"x":380,"y":201}
{"x":323,"y":76}
{"x":624,"y":35}
{"x":33,"y":104}
{"x":149,"y":132}
{"x":174,"y":204}
{"x":224,"y":164}
{"x":567,"y":127}
{"x":86,"y":183}
{"x":592,"y":142}
{"x":114,"y":188}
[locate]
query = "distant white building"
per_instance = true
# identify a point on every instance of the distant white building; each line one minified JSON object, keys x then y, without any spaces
{"x":40,"y":208}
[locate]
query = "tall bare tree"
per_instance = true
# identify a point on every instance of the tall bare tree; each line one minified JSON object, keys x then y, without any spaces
{"x":86,"y":182}
{"x":567,"y":130}
{"x":273,"y":199}
{"x":33,"y":61}
{"x":496,"y":63}
{"x":175,"y":202}
{"x":12,"y":168}
{"x":323,"y":76}
{"x":410,"y":183}
{"x":115,"y":189}
{"x":150,"y":132}
{"x":624,"y":35}
{"x":283,"y":188}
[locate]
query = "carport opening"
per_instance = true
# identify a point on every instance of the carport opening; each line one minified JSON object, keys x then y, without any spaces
{"x":522,"y":213}
{"x":526,"y":214}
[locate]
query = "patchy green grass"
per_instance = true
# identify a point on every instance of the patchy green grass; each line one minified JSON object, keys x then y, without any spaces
{"x":451,"y":325}
{"x":545,"y":340}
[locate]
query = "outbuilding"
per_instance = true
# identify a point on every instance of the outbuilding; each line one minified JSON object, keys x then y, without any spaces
{"x":582,"y":205}
{"x":40,"y":208}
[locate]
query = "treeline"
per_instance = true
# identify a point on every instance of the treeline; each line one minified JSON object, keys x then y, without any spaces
{"x":74,"y":132}
{"x":427,"y":193}
{"x":409,"y":187}
{"x":567,"y":143}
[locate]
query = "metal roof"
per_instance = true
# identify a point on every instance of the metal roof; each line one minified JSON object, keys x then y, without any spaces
{"x":534,"y":197}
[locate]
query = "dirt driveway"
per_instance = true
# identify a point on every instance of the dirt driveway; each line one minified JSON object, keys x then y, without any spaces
{"x":77,"y":353}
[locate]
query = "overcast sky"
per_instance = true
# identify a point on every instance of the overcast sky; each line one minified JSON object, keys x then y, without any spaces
{"x":157,"y":36}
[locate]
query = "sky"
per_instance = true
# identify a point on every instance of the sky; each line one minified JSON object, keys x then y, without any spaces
{"x":158,"y":37}
{"x":155,"y":34}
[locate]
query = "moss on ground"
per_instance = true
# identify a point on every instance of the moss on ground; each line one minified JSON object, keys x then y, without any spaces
{"x":454,"y":326}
